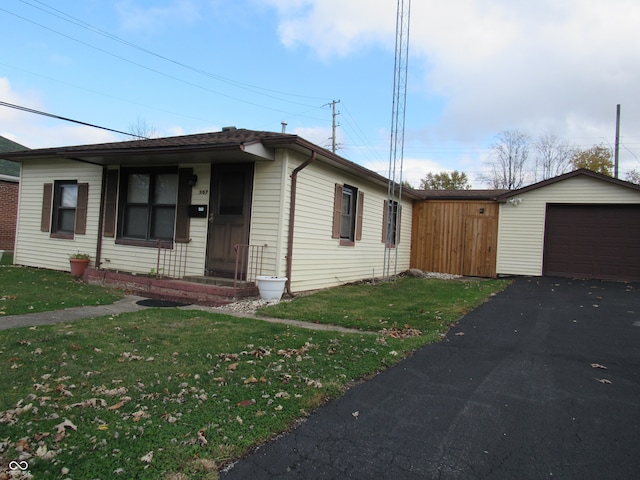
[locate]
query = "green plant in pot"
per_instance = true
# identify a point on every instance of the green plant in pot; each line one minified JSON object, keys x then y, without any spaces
{"x":79,"y":262}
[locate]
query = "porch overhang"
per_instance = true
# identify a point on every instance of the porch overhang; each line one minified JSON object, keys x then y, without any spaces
{"x":161,"y":155}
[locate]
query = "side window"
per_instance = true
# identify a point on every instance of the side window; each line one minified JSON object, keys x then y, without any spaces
{"x":348,"y":204}
{"x":64,"y":208}
{"x":348,"y":217}
{"x":65,"y":201}
{"x":390,"y":229}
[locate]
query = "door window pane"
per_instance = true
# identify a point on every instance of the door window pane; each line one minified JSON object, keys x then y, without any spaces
{"x":231,"y":193}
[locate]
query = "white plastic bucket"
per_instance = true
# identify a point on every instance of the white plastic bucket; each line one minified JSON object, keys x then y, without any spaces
{"x":271,"y":288}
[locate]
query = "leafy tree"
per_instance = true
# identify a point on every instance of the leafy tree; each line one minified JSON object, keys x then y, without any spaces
{"x":596,"y":158}
{"x":553,"y":156}
{"x":406,"y":184}
{"x":445,"y":181}
{"x":508,"y":160}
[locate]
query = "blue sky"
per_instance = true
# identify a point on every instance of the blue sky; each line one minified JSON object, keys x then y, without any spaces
{"x":476,"y":67}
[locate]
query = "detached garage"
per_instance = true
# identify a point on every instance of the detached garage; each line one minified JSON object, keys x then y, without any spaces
{"x":578,"y":225}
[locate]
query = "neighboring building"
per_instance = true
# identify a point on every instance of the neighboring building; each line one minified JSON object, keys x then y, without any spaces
{"x":308,"y":214}
{"x":9,"y":189}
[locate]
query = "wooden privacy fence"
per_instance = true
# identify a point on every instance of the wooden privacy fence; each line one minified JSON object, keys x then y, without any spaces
{"x":455,"y":236}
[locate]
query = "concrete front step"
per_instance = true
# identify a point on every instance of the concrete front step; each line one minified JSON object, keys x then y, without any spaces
{"x":168,"y":289}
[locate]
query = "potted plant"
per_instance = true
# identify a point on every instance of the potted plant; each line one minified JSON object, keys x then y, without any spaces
{"x":79,"y":262}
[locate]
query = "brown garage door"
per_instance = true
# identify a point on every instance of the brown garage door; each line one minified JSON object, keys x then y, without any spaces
{"x":592,"y":241}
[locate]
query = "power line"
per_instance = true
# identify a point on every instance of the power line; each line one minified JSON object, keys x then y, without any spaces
{"x":87,"y":26}
{"x":58,"y":117}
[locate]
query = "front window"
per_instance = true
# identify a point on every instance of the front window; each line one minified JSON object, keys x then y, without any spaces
{"x":65,"y":200}
{"x":149,"y":206}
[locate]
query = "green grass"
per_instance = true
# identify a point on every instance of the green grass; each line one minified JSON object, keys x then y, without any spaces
{"x":199,"y":389}
{"x":29,"y":290}
{"x":150,"y":381}
{"x":428,"y":305}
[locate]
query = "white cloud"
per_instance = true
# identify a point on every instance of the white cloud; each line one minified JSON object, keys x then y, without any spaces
{"x":495,"y":64}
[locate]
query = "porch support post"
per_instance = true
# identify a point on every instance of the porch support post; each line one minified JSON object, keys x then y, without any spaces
{"x":292,"y":214}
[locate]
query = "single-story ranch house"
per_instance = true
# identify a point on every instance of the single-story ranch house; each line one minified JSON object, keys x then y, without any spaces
{"x":212,"y":204}
{"x":240,"y":203}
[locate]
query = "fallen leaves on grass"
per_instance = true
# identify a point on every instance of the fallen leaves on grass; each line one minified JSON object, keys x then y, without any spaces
{"x":147,"y":458}
{"x":396,"y":332}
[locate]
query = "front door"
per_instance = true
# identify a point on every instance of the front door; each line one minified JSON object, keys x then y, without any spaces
{"x":230,"y":210}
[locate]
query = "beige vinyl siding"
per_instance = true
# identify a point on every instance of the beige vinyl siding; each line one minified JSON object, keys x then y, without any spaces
{"x":36,"y":248}
{"x":270,"y":213}
{"x":142,"y":260}
{"x":318,"y":260}
{"x":521,"y":226}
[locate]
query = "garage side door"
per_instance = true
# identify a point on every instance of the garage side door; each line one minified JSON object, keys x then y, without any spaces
{"x":592,"y":241}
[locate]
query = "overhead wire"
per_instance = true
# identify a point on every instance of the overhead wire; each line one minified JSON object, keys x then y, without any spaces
{"x":186,"y":82}
{"x":66,"y":119}
{"x":81,"y":23}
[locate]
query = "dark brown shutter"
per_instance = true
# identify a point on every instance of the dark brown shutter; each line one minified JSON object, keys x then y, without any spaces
{"x":47,"y":197}
{"x":110,"y":198}
{"x":385,"y":212}
{"x":337,"y":211}
{"x":359,"y":216}
{"x":182,"y":205}
{"x":398,"y":222}
{"x":81,"y":209}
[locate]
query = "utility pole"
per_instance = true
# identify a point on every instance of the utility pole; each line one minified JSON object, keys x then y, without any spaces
{"x":334,"y":114}
{"x":617,"y":146}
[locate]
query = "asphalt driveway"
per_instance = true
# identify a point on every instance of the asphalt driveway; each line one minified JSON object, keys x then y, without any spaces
{"x":515,"y":397}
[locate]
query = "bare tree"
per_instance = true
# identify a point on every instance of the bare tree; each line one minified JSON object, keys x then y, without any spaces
{"x":633,"y":176}
{"x":143,"y":129}
{"x":508,"y":161}
{"x":553,"y":156}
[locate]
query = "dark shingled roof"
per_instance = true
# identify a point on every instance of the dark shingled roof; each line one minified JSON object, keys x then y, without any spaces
{"x":459,"y":194}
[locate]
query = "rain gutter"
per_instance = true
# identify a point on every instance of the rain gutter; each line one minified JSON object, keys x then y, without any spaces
{"x":292,"y":214}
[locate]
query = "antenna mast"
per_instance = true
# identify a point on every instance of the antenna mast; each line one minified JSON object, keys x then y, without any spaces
{"x":396,"y":155}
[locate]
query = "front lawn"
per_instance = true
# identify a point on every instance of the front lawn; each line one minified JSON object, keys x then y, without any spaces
{"x":29,"y":290}
{"x":176,"y":394}
{"x":428,"y":305}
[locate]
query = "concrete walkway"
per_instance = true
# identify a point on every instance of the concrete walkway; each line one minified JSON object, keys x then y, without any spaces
{"x":129,"y":304}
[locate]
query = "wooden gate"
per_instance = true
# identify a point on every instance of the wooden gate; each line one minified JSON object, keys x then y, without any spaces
{"x":455,"y":236}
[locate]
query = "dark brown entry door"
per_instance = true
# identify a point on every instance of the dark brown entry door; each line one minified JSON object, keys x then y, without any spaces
{"x":230,"y":209}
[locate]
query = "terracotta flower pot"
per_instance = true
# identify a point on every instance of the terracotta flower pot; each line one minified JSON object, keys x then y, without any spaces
{"x":78,"y":266}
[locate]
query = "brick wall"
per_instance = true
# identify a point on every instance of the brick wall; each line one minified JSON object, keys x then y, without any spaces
{"x":8,"y":213}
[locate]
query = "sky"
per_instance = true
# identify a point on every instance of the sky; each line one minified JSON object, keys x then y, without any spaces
{"x":476,"y":68}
